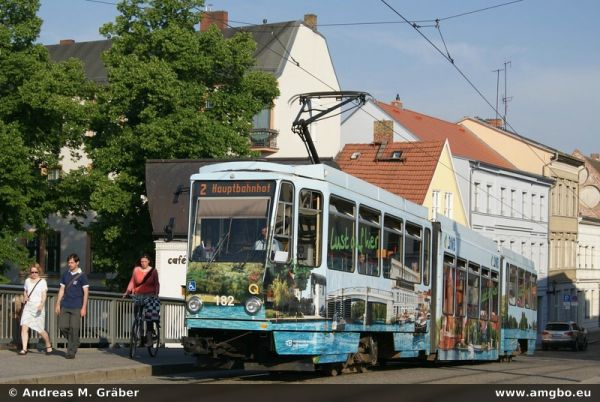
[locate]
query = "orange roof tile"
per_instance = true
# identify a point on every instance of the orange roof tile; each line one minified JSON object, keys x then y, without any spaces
{"x":463,"y":142}
{"x":409,"y":176}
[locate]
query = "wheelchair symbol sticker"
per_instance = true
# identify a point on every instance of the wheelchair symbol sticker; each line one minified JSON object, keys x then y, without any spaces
{"x":191,"y":286}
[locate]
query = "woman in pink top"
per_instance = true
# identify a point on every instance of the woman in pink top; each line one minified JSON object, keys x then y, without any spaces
{"x":145,"y":287}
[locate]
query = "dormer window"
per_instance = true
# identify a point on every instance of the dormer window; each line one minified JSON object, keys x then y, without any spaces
{"x":355,"y":155}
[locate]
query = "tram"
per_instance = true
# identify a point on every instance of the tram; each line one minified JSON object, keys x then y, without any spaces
{"x":309,"y":268}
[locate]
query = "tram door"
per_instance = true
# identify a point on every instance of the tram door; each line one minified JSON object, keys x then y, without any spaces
{"x":453,"y":303}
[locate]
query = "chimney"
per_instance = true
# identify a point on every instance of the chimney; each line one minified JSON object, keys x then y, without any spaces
{"x":498,"y":123}
{"x":383,"y":131}
{"x":310,"y":20}
{"x":64,"y":42}
{"x":397,"y":102}
{"x":218,"y":18}
{"x":595,"y":156}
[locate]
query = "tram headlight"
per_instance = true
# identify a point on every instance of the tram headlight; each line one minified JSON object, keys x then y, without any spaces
{"x":253,"y":305}
{"x":194,"y":304}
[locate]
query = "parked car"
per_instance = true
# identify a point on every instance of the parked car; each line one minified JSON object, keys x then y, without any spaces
{"x":564,"y":334}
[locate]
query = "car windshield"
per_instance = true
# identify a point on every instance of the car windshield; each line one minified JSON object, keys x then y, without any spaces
{"x":557,"y":327}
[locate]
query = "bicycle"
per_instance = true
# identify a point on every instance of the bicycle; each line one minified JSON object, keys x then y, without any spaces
{"x":137,"y":328}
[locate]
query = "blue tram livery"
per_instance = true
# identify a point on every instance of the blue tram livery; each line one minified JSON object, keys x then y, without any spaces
{"x":307,"y":267}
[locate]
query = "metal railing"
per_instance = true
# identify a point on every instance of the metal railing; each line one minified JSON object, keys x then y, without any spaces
{"x":108,"y":320}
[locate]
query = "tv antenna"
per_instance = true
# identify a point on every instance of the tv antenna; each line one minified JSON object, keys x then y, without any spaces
{"x":506,"y":98}
{"x":300,"y":124}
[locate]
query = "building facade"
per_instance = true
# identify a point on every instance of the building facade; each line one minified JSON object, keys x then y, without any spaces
{"x":563,"y":205}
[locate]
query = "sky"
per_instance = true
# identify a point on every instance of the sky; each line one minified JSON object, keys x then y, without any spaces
{"x":552,"y":48}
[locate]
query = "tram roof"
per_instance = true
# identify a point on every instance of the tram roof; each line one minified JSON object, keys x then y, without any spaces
{"x":327,"y":174}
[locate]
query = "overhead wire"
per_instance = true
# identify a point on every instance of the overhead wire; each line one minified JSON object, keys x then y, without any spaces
{"x":415,"y":26}
{"x":409,"y":140}
{"x":451,"y":61}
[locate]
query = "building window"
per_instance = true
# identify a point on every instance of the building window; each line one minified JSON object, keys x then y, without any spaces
{"x":588,"y":312}
{"x":262,"y":119}
{"x":523,"y":204}
{"x":449,"y":205}
{"x":503,"y":201}
{"x":45,"y":249}
{"x":542,"y":208}
{"x":476,"y":197}
{"x":488,"y":199}
{"x":513,"y":202}
{"x":435,"y":203}
{"x":534,"y":207}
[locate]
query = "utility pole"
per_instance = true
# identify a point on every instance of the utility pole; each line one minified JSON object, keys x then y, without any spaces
{"x":497,"y":89}
{"x":506,"y":98}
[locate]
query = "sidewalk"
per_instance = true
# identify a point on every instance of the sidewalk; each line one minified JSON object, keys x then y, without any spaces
{"x":90,"y":365}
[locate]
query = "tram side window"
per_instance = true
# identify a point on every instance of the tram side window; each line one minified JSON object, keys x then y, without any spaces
{"x":283,"y":218}
{"x":494,"y":298}
{"x":533,"y":292}
{"x":310,"y":226}
{"x":448,"y":301}
{"x":522,"y":289}
{"x":512,"y":285}
{"x":527,"y":285}
{"x":461,"y":279}
{"x":392,"y":247}
{"x":486,"y":286}
{"x":368,"y":241}
{"x":427,"y":267}
{"x":473,"y":282}
{"x":413,"y":242}
{"x":341,"y":234}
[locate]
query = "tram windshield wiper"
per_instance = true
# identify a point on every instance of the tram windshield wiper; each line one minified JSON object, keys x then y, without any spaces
{"x":222,"y":242}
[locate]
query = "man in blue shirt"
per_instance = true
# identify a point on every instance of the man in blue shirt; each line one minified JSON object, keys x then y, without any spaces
{"x":71,"y":303}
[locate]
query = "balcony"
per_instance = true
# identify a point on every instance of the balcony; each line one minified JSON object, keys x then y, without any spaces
{"x":264,"y":140}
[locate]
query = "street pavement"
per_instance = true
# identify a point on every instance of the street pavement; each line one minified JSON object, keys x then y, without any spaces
{"x":91,"y":365}
{"x":101,"y":365}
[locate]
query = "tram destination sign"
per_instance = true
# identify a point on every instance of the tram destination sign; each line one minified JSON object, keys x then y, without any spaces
{"x":235,"y":188}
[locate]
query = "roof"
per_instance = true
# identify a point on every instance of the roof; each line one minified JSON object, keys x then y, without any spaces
{"x":273,"y":46}
{"x":90,"y":53}
{"x":560,"y":155}
{"x":408,"y":176}
{"x":463,"y":142}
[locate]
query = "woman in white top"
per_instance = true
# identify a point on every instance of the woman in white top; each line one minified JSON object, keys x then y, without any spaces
{"x":34,"y":311}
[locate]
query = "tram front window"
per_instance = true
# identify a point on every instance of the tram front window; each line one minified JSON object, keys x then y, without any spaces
{"x":226,"y":229}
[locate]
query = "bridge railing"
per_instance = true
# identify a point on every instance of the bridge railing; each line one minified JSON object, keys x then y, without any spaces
{"x":108,"y":320}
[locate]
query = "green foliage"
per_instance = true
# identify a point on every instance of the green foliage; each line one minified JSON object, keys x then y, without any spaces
{"x":43,"y":108}
{"x":173,"y":93}
{"x":281,"y":293}
{"x":225,"y":278}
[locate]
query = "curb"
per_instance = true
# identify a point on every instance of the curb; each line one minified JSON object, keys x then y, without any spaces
{"x":101,"y":375}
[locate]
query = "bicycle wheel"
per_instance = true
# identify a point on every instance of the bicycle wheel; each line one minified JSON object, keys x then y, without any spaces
{"x":135,"y":337}
{"x":153,"y":348}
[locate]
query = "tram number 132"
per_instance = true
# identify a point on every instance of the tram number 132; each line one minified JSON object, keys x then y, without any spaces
{"x":224,"y":300}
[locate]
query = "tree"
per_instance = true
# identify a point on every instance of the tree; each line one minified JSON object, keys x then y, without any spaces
{"x":172,"y":93}
{"x":43,"y":108}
